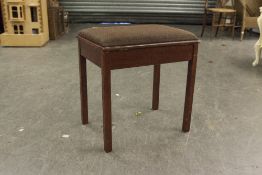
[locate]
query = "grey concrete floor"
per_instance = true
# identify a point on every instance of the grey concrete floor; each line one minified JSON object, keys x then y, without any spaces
{"x":39,"y":102}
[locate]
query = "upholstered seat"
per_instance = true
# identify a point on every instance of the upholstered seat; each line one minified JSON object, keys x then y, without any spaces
{"x":135,"y":35}
{"x":129,"y":46}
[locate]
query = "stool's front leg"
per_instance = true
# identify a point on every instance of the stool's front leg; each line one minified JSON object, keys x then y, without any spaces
{"x":189,"y":91}
{"x":156,"y":84}
{"x":83,"y":89}
{"x":107,"y":114}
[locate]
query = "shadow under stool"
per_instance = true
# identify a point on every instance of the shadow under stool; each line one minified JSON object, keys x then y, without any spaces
{"x":122,"y":47}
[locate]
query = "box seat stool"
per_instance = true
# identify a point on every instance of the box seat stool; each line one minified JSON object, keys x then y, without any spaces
{"x":120,"y":47}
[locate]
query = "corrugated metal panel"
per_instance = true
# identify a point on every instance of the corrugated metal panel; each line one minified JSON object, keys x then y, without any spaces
{"x":136,"y":11}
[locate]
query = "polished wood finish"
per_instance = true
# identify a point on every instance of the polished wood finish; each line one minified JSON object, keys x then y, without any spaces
{"x":191,"y":74}
{"x":106,"y":97}
{"x":110,"y":58}
{"x":223,"y":12}
{"x":156,"y":85}
{"x":83,"y":89}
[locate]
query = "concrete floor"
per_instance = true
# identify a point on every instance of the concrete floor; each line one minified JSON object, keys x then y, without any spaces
{"x":39,"y":103}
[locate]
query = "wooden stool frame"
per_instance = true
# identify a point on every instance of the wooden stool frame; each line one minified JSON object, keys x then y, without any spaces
{"x":119,"y":57}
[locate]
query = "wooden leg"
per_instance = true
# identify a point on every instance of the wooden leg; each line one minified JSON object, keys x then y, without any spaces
{"x":156,"y":84}
{"x":204,"y":24}
{"x":107,"y":114}
{"x":219,"y":23}
{"x":213,"y":31}
{"x":83,"y":90}
{"x":234,"y":26}
{"x":189,"y":92}
{"x":213,"y":25}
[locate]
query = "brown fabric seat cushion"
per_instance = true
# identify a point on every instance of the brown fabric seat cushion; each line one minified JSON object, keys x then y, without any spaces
{"x":135,"y":35}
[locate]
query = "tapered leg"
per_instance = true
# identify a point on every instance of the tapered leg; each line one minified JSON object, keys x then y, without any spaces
{"x":189,"y":91}
{"x":156,"y":84}
{"x":83,"y":90}
{"x":107,"y":114}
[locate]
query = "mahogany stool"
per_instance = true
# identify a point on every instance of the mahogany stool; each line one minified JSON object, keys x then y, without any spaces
{"x":121,"y":47}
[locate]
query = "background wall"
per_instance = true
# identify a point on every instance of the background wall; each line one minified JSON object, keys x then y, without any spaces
{"x":136,"y":11}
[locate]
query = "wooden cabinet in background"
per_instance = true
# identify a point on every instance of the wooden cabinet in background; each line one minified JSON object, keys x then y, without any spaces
{"x":52,"y":3}
{"x":56,"y":22}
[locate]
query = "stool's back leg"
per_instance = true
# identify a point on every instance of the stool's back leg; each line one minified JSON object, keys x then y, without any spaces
{"x":190,"y":91}
{"x":156,"y":84}
{"x":83,"y":89}
{"x":107,"y":114}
